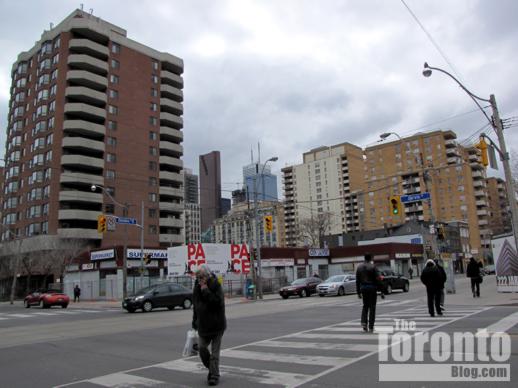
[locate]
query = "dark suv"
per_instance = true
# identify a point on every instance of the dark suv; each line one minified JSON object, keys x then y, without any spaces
{"x":167,"y":295}
{"x":392,"y":281}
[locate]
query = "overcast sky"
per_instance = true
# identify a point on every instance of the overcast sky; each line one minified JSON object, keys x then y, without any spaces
{"x":295,"y":75}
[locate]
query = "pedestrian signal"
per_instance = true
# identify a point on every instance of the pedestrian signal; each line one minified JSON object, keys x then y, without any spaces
{"x":395,"y":205}
{"x":101,"y":223}
{"x":268,"y":224}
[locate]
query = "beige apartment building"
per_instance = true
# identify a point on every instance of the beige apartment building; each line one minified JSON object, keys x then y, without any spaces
{"x":330,"y":180}
{"x":500,"y":220}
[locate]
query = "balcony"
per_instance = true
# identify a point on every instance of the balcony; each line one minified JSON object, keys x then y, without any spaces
{"x":171,"y":92}
{"x":173,"y":147}
{"x":174,"y":134}
{"x":85,"y":78}
{"x":84,"y":128}
{"x":171,"y":191}
{"x":172,"y":239}
{"x":86,"y":46}
{"x":77,"y":214}
{"x":170,"y":222}
{"x":86,"y":95}
{"x":171,"y":79}
{"x":171,"y":207}
{"x":483,"y":222}
{"x":453,"y":160}
{"x":170,"y":176}
{"x":88,"y":63}
{"x":167,"y":160}
{"x":167,"y":105}
{"x":171,"y":120}
{"x":481,"y":203}
{"x":450,"y":143}
{"x":80,"y":196}
{"x":80,"y":143}
{"x":82,"y":233}
{"x":85,"y":111}
{"x":480,"y":193}
{"x":77,"y":177}
{"x":82,"y":161}
{"x":477,"y":175}
{"x":452,"y":152}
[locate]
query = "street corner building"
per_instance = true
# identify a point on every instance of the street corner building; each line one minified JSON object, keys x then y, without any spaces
{"x":95,"y":121}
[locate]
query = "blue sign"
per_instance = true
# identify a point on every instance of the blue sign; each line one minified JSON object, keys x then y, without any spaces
{"x":415,"y":240}
{"x":126,"y":220}
{"x":414,"y":197}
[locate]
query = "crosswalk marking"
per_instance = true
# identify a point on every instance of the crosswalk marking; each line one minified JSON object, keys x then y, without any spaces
{"x":283,"y":357}
{"x":50,"y":312}
{"x":124,"y":380}
{"x":333,"y":336}
{"x":319,"y":345}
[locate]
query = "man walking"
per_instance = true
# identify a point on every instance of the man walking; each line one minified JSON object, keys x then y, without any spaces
{"x":473,"y":272}
{"x":367,"y":282}
{"x":77,"y":293}
{"x":209,"y":319}
{"x":432,"y":279}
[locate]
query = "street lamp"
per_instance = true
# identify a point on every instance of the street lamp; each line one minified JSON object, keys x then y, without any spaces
{"x":125,"y":249}
{"x":496,"y":123}
{"x":257,"y":236}
{"x":383,"y":136}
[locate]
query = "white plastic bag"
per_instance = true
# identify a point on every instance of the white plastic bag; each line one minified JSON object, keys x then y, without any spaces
{"x":191,"y":344}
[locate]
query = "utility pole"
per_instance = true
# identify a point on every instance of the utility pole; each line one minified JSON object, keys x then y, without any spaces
{"x":497,"y":125}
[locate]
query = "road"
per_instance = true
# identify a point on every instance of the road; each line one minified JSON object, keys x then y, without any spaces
{"x":306,"y":342}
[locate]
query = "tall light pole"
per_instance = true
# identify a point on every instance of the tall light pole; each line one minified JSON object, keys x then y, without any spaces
{"x":496,"y":123}
{"x":257,"y":234}
{"x":125,"y":249}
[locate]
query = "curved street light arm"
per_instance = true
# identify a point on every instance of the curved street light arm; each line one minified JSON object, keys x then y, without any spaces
{"x":474,"y":97}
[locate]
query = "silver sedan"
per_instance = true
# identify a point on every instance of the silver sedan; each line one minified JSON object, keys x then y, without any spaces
{"x":337,"y":285}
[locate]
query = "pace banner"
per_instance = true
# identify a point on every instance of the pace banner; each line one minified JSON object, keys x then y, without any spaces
{"x":506,"y":264}
{"x":221,"y":258}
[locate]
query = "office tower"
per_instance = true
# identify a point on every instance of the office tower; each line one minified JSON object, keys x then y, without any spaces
{"x":190,"y":186}
{"x":90,"y":106}
{"x":326,"y":185}
{"x":210,"y":188}
{"x":258,"y":178}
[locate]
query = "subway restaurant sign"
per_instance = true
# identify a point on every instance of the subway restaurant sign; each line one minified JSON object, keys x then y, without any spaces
{"x":221,"y":258}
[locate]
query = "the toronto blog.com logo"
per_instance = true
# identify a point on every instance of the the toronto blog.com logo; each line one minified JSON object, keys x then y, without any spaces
{"x":408,"y":354}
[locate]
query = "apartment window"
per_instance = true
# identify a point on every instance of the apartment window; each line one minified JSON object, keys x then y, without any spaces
{"x":116,"y":48}
{"x":154,"y":79}
{"x":51,"y":123}
{"x":112,"y":125}
{"x":114,"y":79}
{"x":152,"y":135}
{"x":52,"y":106}
{"x":43,"y":79}
{"x":153,"y":121}
{"x":152,"y":151}
{"x":115,"y":64}
{"x":112,"y":109}
{"x":152,"y":166}
{"x":48,"y":156}
{"x":53,"y":90}
{"x":152,"y":229}
{"x":153,"y":181}
{"x":41,"y":111}
{"x":42,"y":95}
{"x":152,"y":197}
{"x":45,"y":64}
{"x":154,"y":92}
{"x":153,"y":107}
{"x":110,"y":174}
{"x":111,"y":158}
{"x":54,"y":75}
{"x":152,"y":213}
{"x":154,"y":65}
{"x":114,"y":94}
{"x":111,"y":141}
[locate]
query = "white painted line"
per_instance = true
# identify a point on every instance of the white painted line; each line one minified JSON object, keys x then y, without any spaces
{"x":120,"y":380}
{"x":283,"y":357}
{"x":319,"y":345}
{"x":418,"y":319}
{"x":503,"y":325}
{"x":399,"y":303}
{"x":3,"y":319}
{"x":364,"y":336}
{"x":355,"y":328}
{"x":44,"y":313}
{"x":254,"y":375}
{"x":20,"y":316}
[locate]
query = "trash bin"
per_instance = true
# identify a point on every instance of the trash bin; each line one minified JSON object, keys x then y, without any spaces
{"x":250,"y":291}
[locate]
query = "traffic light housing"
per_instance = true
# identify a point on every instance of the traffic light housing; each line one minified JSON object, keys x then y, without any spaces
{"x":147,"y":258}
{"x":268,"y":224}
{"x":101,"y":223}
{"x":482,"y":146}
{"x":440,"y":232}
{"x":395,"y":205}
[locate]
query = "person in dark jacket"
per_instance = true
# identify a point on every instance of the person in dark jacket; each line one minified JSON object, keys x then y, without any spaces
{"x":473,"y":272}
{"x":209,"y":319}
{"x":77,"y":293}
{"x":367,"y":283}
{"x":433,"y":280}
{"x":440,"y":268}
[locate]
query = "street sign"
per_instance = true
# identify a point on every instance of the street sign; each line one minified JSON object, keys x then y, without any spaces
{"x":110,"y":224}
{"x":126,"y":220}
{"x":414,"y":197}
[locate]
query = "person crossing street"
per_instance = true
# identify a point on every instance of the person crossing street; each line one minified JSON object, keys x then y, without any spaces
{"x":367,"y":284}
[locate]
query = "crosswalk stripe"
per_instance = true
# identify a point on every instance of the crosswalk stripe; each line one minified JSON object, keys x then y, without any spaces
{"x":334,"y":336}
{"x":284,"y":357}
{"x":402,"y":302}
{"x":44,"y":313}
{"x":319,"y":345}
{"x":20,"y":315}
{"x":120,"y":380}
{"x":504,"y":324}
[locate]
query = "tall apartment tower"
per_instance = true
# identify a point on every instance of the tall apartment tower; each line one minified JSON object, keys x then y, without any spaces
{"x":210,"y":188}
{"x":90,"y":106}
{"x":500,"y":220}
{"x":330,"y":180}
{"x":260,"y":182}
{"x":428,"y":162}
{"x":190,"y":182}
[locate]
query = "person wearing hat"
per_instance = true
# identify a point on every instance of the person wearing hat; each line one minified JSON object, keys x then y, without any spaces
{"x":434,"y":280}
{"x":209,"y":319}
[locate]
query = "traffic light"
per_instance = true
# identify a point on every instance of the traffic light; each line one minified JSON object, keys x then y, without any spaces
{"x":268,"y":223}
{"x":482,"y":146}
{"x":101,"y":223}
{"x":147,"y":258}
{"x":395,"y":205}
{"x":440,"y":232}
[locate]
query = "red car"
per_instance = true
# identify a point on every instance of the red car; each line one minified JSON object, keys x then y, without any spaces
{"x":46,"y":299}
{"x":301,"y":287}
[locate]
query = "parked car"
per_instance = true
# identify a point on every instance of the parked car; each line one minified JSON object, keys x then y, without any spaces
{"x":337,"y":285}
{"x":391,"y":281}
{"x":167,"y":295}
{"x":301,"y":287}
{"x":489,"y":269}
{"x":46,"y":299}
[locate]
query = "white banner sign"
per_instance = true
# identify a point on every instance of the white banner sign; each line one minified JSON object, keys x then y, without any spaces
{"x":102,"y":255}
{"x":221,"y":258}
{"x":159,"y":254}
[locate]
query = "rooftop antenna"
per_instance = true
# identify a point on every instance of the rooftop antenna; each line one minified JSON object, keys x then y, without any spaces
{"x":51,"y":25}
{"x":91,"y":11}
{"x":81,"y":5}
{"x":259,"y":152}
{"x":251,"y":155}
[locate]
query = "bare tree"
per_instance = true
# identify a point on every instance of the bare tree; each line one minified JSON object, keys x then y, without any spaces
{"x":311,"y":231}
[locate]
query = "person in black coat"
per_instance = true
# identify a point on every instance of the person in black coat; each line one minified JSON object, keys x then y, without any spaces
{"x":77,"y":293}
{"x":433,"y":280}
{"x":367,"y":284}
{"x":440,"y":268}
{"x":473,"y":272}
{"x":209,"y":319}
